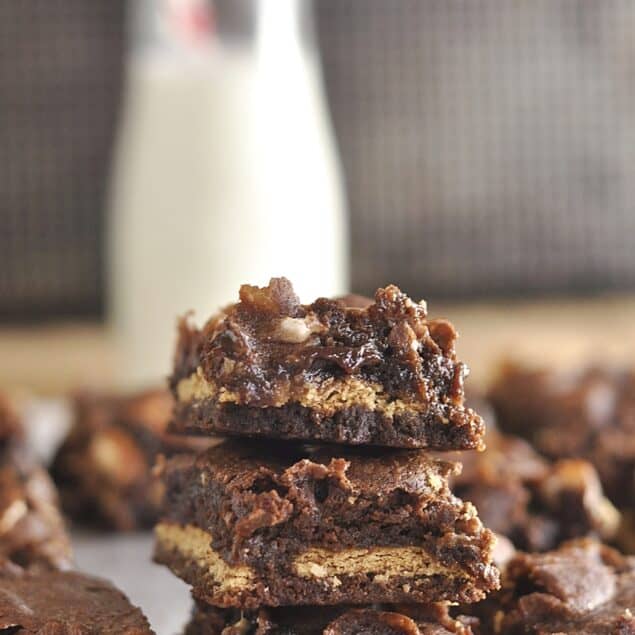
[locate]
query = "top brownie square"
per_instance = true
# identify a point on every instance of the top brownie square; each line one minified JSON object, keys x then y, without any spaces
{"x":381,"y":374}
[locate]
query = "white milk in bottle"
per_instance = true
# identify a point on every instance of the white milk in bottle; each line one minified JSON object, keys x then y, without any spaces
{"x":225,"y":173}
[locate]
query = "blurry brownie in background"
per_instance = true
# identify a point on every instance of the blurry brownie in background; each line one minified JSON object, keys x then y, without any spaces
{"x":424,"y":619}
{"x":382,"y":373}
{"x":32,"y":530}
{"x":534,"y":502}
{"x":589,"y":413}
{"x":583,"y":588}
{"x":64,"y":603}
{"x":104,"y":467}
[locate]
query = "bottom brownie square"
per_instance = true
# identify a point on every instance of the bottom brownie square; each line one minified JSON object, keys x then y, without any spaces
{"x":248,"y":526}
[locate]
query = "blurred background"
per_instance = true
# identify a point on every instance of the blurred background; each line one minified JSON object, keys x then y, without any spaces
{"x":156,"y":154}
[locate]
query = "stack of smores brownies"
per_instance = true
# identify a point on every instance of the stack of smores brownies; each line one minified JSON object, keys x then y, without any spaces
{"x":324,"y":510}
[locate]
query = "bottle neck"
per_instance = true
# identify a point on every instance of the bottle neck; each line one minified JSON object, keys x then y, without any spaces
{"x":190,"y":27}
{"x":170,"y":27}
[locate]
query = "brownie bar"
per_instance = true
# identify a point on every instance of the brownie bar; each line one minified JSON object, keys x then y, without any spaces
{"x":64,"y":603}
{"x":104,"y":467}
{"x":382,"y":374}
{"x":588,"y":414}
{"x":406,"y":620}
{"x":32,"y":531}
{"x":248,"y":525}
{"x":584,"y":588}
{"x":535,"y":503}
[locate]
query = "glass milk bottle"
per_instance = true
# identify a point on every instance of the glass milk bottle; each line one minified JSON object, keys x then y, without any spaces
{"x":225,"y":173}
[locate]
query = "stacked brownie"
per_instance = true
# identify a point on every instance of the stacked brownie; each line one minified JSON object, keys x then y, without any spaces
{"x":326,"y":491}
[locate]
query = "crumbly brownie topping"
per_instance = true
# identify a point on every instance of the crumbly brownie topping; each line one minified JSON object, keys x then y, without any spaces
{"x":261,"y":347}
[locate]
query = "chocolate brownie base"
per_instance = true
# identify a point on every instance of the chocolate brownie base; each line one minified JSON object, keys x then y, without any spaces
{"x":32,"y":531}
{"x":535,"y":503}
{"x":354,"y":425}
{"x":405,"y":620}
{"x":270,"y":366}
{"x":583,"y":588}
{"x":104,"y":467}
{"x":321,"y":526}
{"x":63,"y":603}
